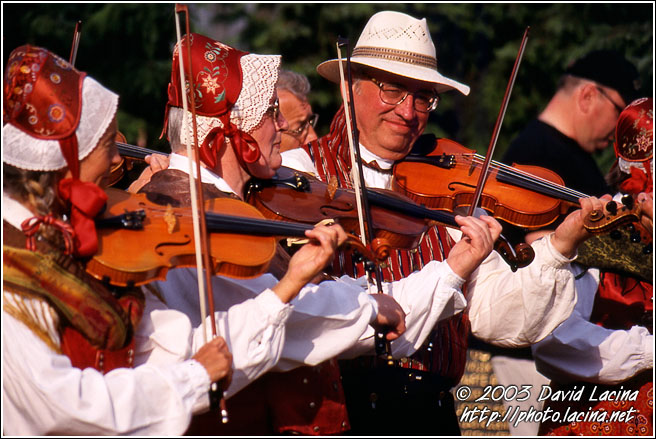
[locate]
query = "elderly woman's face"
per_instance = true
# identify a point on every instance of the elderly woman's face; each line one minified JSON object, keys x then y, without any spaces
{"x":268,"y":136}
{"x":95,"y":167}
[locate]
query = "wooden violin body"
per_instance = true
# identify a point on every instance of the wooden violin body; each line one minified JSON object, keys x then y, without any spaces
{"x":139,"y":241}
{"x":299,"y":197}
{"x":445,"y":179}
{"x":162,"y":238}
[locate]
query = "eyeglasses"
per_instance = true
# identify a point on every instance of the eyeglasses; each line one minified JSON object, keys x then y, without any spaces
{"x":619,"y":108}
{"x":274,"y":110}
{"x":305,"y":125}
{"x":394,"y":95}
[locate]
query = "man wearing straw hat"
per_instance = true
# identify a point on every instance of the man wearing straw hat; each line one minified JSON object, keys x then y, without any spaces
{"x":396,"y":85}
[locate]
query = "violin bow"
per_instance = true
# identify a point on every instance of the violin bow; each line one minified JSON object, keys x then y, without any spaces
{"x":497,"y":127}
{"x":198,"y":207}
{"x":383,"y":346}
{"x":76,"y":42}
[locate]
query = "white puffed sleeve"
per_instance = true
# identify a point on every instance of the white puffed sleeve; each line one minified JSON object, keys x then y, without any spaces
{"x":581,"y":350}
{"x":517,"y":309}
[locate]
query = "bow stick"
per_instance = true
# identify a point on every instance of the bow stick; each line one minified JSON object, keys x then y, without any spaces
{"x":198,"y":207}
{"x":383,"y":346}
{"x":497,"y":127}
{"x":76,"y":42}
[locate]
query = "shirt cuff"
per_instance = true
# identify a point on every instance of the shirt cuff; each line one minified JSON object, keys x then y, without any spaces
{"x":557,"y":260}
{"x":451,"y":279}
{"x":374,"y":304}
{"x":279,"y":311}
{"x":199,"y":382}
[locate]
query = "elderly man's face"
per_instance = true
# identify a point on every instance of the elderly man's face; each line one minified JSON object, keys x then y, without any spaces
{"x":388,"y":130}
{"x":298,"y":114}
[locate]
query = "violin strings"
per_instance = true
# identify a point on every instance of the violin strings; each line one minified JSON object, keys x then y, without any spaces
{"x":136,"y":151}
{"x":519,"y":175}
{"x":219,"y":222}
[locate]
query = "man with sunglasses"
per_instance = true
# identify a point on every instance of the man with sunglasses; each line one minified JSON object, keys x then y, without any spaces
{"x":579,"y":120}
{"x":396,"y":85}
{"x":293,"y":89}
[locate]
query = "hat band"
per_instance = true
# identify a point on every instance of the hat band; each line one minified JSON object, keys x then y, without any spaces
{"x":403,"y":56}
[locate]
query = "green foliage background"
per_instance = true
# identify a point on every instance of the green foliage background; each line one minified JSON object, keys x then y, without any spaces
{"x":127,"y":47}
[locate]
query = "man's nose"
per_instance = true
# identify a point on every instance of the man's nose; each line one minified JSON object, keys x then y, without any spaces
{"x":406,"y":109}
{"x":310,"y":136}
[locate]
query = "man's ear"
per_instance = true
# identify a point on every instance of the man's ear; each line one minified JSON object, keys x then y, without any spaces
{"x":586,"y":97}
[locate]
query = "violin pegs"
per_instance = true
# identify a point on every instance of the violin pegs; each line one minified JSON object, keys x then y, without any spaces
{"x":648,"y":249}
{"x":627,"y":200}
{"x":635,"y":237}
{"x":631,"y":228}
{"x":611,"y":207}
{"x":615,"y":234}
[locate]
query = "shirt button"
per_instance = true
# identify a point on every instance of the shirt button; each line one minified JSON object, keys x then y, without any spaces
{"x":313,"y":405}
{"x":305,"y":380}
{"x":316,"y":428}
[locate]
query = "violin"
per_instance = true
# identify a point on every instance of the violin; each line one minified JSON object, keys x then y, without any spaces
{"x":398,"y":221}
{"x":139,"y":241}
{"x":129,"y":154}
{"x":441,"y":174}
{"x":445,"y":179}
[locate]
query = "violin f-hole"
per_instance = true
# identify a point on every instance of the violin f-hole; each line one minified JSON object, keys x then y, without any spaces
{"x":161,"y":245}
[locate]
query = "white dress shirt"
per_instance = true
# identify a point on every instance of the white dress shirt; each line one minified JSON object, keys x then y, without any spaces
{"x":505,"y":308}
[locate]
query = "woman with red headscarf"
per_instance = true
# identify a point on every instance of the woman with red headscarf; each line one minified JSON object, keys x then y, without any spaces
{"x":605,"y":350}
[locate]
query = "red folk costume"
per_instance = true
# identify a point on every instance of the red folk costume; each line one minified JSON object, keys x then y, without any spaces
{"x":43,"y":98}
{"x":622,"y":301}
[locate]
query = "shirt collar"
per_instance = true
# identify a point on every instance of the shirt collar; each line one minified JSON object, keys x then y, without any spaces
{"x":369,"y":157}
{"x":181,"y":163}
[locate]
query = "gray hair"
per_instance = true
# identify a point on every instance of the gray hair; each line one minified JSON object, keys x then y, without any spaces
{"x":295,"y":83}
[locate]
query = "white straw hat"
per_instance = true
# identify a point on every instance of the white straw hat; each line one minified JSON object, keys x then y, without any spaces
{"x":399,"y":44}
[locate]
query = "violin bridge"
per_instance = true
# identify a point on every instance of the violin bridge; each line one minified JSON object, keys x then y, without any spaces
{"x":170,"y":219}
{"x":331,"y":188}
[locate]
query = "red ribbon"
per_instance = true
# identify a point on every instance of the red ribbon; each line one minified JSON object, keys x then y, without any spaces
{"x":638,"y":182}
{"x":31,"y":226}
{"x":87,"y":200}
{"x":239,"y":139}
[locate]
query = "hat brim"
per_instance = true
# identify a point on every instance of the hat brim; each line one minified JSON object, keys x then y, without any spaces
{"x":330,"y":70}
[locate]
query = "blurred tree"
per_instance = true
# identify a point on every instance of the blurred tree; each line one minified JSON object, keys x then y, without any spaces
{"x":127,"y":47}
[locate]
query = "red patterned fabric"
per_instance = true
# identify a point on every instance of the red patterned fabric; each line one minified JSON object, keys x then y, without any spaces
{"x":217,"y":80}
{"x":638,"y":420}
{"x":634,"y":132}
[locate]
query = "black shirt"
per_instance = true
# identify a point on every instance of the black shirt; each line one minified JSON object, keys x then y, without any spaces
{"x":543,"y":145}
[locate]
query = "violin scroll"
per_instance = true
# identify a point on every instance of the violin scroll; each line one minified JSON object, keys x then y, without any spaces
{"x":598,"y":222}
{"x":516,"y":257}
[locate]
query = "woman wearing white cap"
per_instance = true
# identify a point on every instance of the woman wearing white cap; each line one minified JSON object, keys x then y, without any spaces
{"x":69,"y":342}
